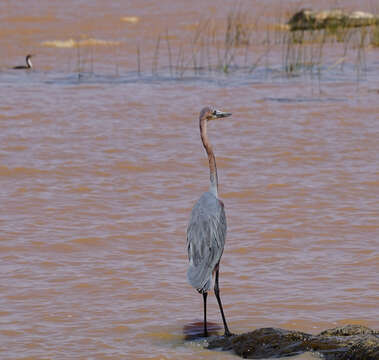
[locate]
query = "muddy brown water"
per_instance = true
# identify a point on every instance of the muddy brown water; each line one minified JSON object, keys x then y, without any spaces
{"x":99,"y":174}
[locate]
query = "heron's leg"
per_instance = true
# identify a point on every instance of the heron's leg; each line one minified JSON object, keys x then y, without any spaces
{"x":217,"y":293}
{"x":205,"y":294}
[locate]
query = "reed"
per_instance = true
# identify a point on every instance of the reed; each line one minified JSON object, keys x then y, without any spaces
{"x":233,"y":47}
{"x":374,"y":36}
{"x":169,"y":52}
{"x":154,"y":65}
{"x":78,"y":61}
{"x":138,"y":60}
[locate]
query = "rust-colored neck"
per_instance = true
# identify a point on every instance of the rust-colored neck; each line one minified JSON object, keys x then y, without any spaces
{"x":211,"y":156}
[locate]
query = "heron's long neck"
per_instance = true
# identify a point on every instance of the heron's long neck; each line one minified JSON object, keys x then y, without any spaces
{"x":211,"y":157}
{"x":29,"y":63}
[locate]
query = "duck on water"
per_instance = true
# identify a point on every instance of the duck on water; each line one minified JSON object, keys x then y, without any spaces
{"x":28,"y":65}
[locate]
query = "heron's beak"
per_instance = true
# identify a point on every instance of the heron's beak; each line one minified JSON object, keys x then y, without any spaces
{"x":220,"y":114}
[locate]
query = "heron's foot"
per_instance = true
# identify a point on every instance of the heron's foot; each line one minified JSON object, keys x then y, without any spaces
{"x":228,"y":334}
{"x":206,"y":334}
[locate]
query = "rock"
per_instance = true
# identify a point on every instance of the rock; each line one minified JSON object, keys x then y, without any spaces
{"x":313,"y":20}
{"x":349,"y":330}
{"x":351,"y":342}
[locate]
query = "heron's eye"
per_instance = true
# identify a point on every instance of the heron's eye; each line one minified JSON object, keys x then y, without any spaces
{"x":214,"y":112}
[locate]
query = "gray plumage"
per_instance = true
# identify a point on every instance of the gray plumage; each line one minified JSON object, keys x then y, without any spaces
{"x":205,"y":241}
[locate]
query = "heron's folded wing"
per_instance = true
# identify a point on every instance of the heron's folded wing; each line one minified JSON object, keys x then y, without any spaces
{"x":205,"y":243}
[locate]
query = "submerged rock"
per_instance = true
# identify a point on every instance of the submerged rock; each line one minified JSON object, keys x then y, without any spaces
{"x":351,"y":342}
{"x":312,"y":20}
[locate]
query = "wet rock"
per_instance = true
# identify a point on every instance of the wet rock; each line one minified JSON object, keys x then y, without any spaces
{"x":312,"y":20}
{"x":349,"y":330}
{"x":351,"y":342}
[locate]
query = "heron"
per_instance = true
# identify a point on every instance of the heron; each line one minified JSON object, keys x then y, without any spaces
{"x":28,"y":65}
{"x":207,"y":228}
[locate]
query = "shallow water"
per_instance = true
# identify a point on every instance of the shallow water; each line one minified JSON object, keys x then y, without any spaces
{"x":99,"y":174}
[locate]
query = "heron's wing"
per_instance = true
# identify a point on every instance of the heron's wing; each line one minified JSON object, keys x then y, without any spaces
{"x":205,"y":240}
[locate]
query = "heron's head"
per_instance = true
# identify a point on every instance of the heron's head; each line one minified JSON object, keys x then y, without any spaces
{"x":212,"y":114}
{"x":29,"y":56}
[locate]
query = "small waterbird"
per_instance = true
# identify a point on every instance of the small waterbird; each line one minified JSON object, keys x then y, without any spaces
{"x":207,"y":228}
{"x":28,"y":65}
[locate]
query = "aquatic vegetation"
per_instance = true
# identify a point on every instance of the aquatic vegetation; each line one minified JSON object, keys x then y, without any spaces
{"x":374,"y":41}
{"x":306,"y":19}
{"x":244,"y":43}
{"x":233,"y":46}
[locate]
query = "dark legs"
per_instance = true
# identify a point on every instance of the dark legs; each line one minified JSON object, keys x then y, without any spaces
{"x":217,"y":293}
{"x":205,"y":294}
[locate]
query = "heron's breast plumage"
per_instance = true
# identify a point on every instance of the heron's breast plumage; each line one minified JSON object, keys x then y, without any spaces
{"x":205,"y":239}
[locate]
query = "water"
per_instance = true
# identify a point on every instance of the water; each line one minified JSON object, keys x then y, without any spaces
{"x":99,"y":174}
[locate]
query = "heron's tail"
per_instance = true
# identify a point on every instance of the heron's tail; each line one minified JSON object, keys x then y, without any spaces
{"x":200,"y":277}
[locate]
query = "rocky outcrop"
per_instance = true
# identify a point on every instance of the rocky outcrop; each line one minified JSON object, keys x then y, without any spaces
{"x":313,"y":20}
{"x":351,"y":342}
